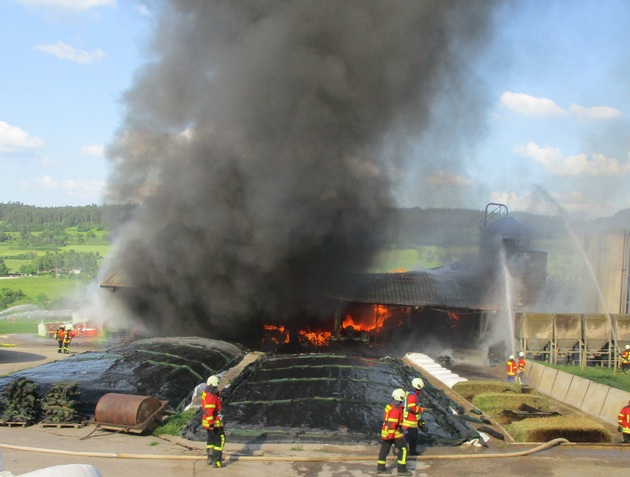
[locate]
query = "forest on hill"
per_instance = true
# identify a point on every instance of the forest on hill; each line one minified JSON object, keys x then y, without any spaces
{"x":407,"y":228}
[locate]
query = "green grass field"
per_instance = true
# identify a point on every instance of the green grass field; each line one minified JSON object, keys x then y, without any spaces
{"x":18,"y":327}
{"x":32,"y":287}
{"x":606,"y":376}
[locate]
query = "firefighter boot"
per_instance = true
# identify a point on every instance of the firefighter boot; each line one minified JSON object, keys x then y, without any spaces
{"x":402,"y":470}
{"x":381,"y":469}
{"x":216,"y":456}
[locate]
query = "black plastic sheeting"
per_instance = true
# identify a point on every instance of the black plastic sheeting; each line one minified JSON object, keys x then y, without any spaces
{"x":164,"y":368}
{"x":310,"y":397}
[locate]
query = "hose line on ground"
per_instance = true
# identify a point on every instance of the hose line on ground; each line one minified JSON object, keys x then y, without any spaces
{"x":236,"y":457}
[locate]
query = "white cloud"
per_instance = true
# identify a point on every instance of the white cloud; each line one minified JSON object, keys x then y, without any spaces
{"x":531,"y":105}
{"x":447,"y":179}
{"x":144,"y":10}
{"x":74,"y":188}
{"x":66,"y":52}
{"x":576,"y":165}
{"x":93,"y":149}
{"x":594,"y":113}
{"x":76,"y":5}
{"x":14,"y":139}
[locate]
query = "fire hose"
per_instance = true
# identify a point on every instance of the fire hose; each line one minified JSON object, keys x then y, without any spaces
{"x":237,"y":457}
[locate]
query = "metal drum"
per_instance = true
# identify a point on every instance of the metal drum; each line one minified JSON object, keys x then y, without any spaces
{"x":125,"y":409}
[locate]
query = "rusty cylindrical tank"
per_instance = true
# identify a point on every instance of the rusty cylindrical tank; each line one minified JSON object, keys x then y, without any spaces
{"x":125,"y":409}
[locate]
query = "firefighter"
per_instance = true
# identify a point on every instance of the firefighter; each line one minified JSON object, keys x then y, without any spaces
{"x":60,"y":335}
{"x":520,"y":366}
{"x":391,"y":434}
{"x":625,"y":360}
{"x":212,"y":421}
{"x":511,"y":369}
{"x":412,"y":415}
{"x":624,"y":423}
{"x":66,"y":340}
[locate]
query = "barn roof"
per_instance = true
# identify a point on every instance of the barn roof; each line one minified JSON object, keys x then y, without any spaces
{"x":443,"y":287}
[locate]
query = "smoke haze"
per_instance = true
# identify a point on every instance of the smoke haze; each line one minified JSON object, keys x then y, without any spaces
{"x":262,"y":141}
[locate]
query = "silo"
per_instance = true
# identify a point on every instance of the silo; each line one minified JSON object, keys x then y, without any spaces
{"x":567,"y":332}
{"x":597,"y":335}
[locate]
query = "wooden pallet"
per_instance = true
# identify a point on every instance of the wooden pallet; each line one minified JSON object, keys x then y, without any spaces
{"x":59,"y":425}
{"x":13,"y":424}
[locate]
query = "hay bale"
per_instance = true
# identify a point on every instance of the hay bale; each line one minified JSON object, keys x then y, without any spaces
{"x":574,"y":429}
{"x":495,"y":403}
{"x":469,"y":389}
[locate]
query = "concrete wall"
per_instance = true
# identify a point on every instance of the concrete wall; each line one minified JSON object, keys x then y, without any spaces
{"x":597,"y":400}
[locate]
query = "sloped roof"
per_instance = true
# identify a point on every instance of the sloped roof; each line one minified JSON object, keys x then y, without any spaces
{"x":437,"y":287}
{"x":116,"y":279}
{"x":453,"y":286}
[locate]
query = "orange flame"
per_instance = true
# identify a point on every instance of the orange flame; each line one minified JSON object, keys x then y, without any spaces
{"x":275,"y":334}
{"x":316,"y":338}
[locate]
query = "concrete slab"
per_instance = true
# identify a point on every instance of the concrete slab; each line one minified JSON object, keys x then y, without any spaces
{"x":561,"y":386}
{"x":534,"y":374}
{"x":577,"y":390}
{"x":595,"y":398}
{"x":547,"y":379}
{"x":615,"y":400}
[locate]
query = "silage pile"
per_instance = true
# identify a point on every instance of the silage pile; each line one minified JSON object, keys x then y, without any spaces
{"x":163,"y":368}
{"x":315,"y":397}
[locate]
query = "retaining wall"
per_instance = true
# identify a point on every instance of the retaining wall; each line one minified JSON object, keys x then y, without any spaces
{"x":598,"y":400}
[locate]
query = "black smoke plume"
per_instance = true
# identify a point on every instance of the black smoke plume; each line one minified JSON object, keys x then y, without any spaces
{"x":262,"y":142}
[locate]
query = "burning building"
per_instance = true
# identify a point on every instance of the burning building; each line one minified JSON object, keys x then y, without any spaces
{"x":263,"y":142}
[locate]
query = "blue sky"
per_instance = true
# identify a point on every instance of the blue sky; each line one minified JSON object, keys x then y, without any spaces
{"x":557,"y":75}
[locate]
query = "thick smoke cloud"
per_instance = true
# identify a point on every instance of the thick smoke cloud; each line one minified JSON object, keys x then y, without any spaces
{"x":262,"y":141}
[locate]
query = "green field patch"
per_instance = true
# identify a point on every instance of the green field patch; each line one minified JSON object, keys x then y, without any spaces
{"x":18,"y":327}
{"x":14,"y":265}
{"x":101,"y":248}
{"x":35,"y":286}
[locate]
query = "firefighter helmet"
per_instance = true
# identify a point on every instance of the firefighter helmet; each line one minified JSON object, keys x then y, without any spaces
{"x":521,"y":354}
{"x":62,"y":327}
{"x":213,"y":381}
{"x":417,"y":383}
{"x":398,"y":394}
{"x":627,"y":346}
{"x":511,"y":356}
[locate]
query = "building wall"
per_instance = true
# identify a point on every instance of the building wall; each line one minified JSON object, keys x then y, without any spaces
{"x":608,"y":254}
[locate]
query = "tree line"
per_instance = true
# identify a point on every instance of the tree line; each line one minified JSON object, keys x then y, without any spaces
{"x":17,"y":216}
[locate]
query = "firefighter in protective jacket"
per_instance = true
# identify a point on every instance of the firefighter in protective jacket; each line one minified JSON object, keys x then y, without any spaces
{"x":624,"y":423}
{"x":67,"y":338}
{"x":511,"y":368}
{"x":212,"y":421}
{"x":60,"y":335}
{"x":412,"y":415}
{"x":391,"y":434}
{"x":625,"y":360}
{"x":520,"y":366}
